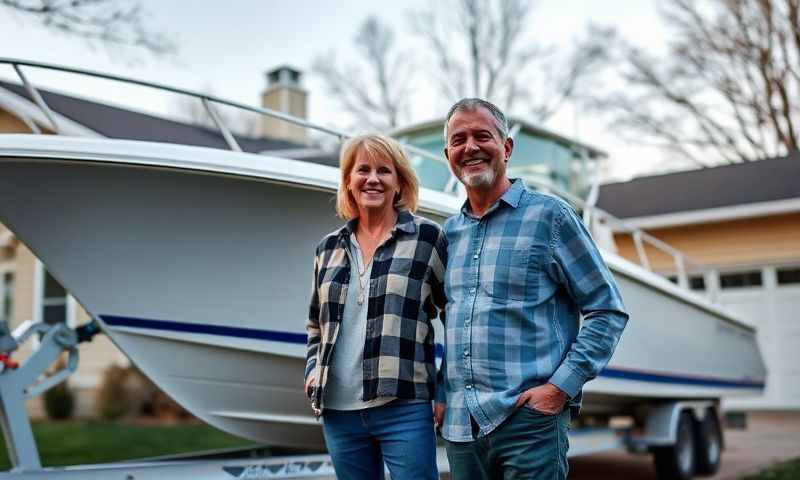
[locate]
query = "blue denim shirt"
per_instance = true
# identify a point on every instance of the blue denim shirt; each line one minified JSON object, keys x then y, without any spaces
{"x":518,"y":281}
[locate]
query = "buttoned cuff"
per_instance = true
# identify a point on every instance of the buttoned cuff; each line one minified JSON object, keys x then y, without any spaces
{"x":568,"y":380}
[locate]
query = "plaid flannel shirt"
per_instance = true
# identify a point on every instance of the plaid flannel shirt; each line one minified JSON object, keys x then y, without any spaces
{"x":518,"y":281}
{"x":406,"y":294}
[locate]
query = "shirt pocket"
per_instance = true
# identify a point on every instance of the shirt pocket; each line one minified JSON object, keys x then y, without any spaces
{"x":331,"y":293}
{"x":511,"y":274}
{"x":330,"y":286}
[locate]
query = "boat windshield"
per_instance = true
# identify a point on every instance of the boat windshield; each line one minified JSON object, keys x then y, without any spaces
{"x":541,"y":160}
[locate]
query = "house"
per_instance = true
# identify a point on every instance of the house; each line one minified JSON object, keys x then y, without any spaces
{"x":740,"y":225}
{"x":27,"y":290}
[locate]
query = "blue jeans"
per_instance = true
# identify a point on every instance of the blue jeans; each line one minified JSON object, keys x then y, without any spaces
{"x":528,"y":445}
{"x":401,"y":435}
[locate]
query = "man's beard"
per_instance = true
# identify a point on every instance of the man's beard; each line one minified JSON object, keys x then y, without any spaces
{"x":484,"y":179}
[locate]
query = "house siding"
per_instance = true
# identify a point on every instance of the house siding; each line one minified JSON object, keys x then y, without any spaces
{"x":753,"y":241}
{"x":11,"y":124}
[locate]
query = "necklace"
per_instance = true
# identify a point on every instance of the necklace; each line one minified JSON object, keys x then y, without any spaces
{"x":362,"y":272}
{"x":361,"y":282}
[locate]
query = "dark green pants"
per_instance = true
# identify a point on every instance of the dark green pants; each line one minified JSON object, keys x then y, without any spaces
{"x":528,"y":445}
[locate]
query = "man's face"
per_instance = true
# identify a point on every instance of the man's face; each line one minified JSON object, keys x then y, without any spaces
{"x":476,"y":153}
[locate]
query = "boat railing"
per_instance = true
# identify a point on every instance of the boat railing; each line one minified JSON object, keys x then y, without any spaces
{"x":600,"y":221}
{"x":595,"y":218}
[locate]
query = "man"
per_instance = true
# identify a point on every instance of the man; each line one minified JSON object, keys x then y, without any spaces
{"x":522,"y":270}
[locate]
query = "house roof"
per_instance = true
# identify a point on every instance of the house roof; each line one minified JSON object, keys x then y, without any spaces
{"x":760,"y":181}
{"x":115,"y":122}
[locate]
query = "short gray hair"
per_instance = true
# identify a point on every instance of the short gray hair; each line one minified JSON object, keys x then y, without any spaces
{"x":471,"y":104}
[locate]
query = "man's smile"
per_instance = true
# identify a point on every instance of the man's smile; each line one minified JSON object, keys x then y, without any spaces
{"x":474,"y":161}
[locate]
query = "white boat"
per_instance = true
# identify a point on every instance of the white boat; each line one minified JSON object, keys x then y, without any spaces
{"x":197,"y":263}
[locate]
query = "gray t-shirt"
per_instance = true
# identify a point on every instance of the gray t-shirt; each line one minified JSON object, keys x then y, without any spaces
{"x":344,"y":389}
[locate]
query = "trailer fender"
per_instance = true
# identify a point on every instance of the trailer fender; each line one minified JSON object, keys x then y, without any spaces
{"x":661,"y":426}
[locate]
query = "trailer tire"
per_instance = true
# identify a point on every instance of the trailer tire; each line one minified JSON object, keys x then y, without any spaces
{"x":677,"y":462}
{"x":708,"y":444}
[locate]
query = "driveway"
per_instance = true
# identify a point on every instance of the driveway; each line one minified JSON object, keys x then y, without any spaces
{"x":769,"y":438}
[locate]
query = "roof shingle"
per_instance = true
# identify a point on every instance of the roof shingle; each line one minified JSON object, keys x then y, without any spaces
{"x":752,"y":182}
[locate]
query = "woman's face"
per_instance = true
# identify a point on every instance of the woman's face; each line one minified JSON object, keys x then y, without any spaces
{"x":373,"y":183}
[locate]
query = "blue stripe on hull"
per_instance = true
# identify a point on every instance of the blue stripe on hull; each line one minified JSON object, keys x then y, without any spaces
{"x":300,"y":338}
{"x":653,"y":377}
{"x":238,"y":332}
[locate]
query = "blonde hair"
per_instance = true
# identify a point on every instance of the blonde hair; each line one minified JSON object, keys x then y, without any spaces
{"x":376,"y":146}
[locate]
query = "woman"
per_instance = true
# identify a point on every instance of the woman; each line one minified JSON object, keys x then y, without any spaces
{"x":377,"y":285}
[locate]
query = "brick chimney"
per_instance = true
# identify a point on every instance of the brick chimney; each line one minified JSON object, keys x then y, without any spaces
{"x":284,"y":94}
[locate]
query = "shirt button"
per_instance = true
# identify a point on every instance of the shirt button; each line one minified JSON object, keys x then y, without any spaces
{"x":468,"y":387}
{"x":475,"y":256}
{"x":466,"y":353}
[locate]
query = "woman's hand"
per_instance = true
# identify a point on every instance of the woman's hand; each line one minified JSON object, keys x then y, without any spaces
{"x":438,"y":414}
{"x":309,"y":387}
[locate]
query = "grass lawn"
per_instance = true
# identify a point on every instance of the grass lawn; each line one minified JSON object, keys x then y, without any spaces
{"x":81,"y":442}
{"x":783,"y":471}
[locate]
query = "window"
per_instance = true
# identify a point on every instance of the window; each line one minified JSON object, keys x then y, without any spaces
{"x":789,"y":276}
{"x":543,"y":159}
{"x":697,"y":282}
{"x":54,"y":301}
{"x":740,"y":279}
{"x":6,"y":296}
{"x":431,"y":173}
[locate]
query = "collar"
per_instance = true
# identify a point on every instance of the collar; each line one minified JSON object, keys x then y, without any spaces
{"x":405,"y":223}
{"x":511,"y":197}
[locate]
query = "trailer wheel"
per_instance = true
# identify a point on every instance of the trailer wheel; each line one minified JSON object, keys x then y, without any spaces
{"x":708,"y":444}
{"x":677,"y":462}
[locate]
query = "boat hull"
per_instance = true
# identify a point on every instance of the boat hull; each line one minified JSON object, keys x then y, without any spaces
{"x":201,"y":274}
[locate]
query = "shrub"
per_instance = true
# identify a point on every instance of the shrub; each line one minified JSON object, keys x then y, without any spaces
{"x":151,"y":401}
{"x":112,"y":401}
{"x":59,"y":402}
{"x":127,"y":392}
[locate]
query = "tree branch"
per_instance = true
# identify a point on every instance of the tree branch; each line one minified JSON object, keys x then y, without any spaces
{"x":729,"y":82}
{"x":113,"y":23}
{"x":380,"y":102}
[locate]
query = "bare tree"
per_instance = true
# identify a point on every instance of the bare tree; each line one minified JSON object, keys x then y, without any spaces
{"x":113,"y":23}
{"x":728,"y":89}
{"x":374,"y":91}
{"x":479,"y":48}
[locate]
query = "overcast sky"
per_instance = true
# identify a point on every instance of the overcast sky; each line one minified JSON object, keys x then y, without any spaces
{"x":227,"y":46}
